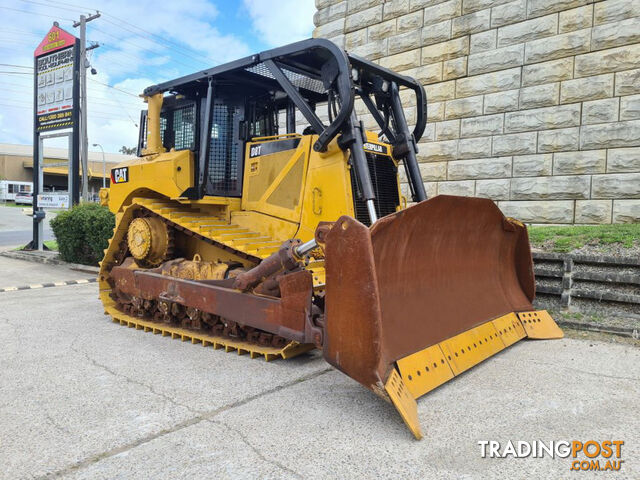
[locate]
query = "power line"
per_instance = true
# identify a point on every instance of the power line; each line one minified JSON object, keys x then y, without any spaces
{"x":101,"y":61}
{"x":16,"y":30}
{"x":115,"y":88}
{"x":22,"y":33}
{"x":90,"y":87}
{"x":14,"y":106}
{"x":125,"y":111}
{"x":29,"y":105}
{"x":25,"y":92}
{"x":140,"y":47}
{"x":121,"y":53}
{"x":35,"y":13}
{"x":97,"y":90}
{"x":12,"y":65}
{"x":26,"y":73}
{"x":21,"y":101}
{"x":177,"y":48}
{"x":136,"y":31}
{"x":29,"y":85}
{"x":105,"y":102}
{"x":101,"y":117}
{"x":17,"y":101}
{"x":14,"y":42}
{"x":48,"y":5}
{"x":76,"y":6}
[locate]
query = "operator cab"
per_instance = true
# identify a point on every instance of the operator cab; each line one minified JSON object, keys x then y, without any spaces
{"x":214,"y":113}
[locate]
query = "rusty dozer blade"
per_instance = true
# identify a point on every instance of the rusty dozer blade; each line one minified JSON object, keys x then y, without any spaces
{"x":425,"y":294}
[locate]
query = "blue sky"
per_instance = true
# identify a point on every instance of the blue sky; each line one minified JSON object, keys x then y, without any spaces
{"x":142,"y":42}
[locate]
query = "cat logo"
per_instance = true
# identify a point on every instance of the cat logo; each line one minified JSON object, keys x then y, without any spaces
{"x":120,"y":175}
{"x":375,"y":148}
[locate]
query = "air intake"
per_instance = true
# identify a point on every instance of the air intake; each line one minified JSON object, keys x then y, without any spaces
{"x":384,"y":177}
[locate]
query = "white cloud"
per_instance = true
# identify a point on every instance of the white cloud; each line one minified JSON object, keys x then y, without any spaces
{"x":186,"y":30}
{"x":279,"y":22}
{"x":112,"y":114}
{"x":183,"y":37}
{"x":156,"y":44}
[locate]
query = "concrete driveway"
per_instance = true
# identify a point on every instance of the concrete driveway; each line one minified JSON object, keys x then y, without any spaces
{"x":84,"y":398}
{"x":16,"y":228}
{"x":18,"y":273}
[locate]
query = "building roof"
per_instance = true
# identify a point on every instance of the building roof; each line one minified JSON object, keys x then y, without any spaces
{"x":95,"y":170}
{"x":52,"y":152}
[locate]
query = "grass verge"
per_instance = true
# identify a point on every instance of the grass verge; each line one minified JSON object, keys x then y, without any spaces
{"x":51,"y":244}
{"x":565,"y":239}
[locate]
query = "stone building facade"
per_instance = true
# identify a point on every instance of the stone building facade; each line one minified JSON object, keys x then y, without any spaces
{"x":532,"y":103}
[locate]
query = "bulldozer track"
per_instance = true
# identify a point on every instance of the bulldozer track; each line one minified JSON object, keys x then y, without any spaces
{"x":292,"y":349}
{"x":211,"y":229}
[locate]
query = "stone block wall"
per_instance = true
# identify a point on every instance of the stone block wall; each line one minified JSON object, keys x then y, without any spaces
{"x":532,"y":103}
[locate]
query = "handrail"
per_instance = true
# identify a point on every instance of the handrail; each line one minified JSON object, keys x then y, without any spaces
{"x":276,"y":137}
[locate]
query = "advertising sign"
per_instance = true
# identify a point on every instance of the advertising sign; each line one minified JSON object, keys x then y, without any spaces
{"x":56,"y":85}
{"x":53,"y":200}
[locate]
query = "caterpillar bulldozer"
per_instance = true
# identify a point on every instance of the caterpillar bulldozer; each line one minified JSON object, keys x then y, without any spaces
{"x":237,"y":232}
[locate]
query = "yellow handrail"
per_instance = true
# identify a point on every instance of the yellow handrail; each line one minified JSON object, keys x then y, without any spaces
{"x":275,"y":137}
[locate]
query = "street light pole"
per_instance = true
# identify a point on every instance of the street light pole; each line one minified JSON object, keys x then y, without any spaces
{"x":104,"y":166}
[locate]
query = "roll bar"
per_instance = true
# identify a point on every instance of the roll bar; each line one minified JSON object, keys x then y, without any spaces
{"x":316,"y":71}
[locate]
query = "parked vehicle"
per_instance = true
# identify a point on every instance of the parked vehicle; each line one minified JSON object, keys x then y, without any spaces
{"x":10,"y":188}
{"x":24,"y":198}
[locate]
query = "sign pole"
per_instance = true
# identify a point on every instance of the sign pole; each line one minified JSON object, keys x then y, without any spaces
{"x":74,"y":153}
{"x":37,"y":240}
{"x":71,"y":188}
{"x":55,"y":107}
{"x":39,"y":214}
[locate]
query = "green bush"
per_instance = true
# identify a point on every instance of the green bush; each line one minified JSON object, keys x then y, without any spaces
{"x":83,"y":232}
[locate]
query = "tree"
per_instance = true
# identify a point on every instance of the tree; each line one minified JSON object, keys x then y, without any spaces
{"x":128,"y":151}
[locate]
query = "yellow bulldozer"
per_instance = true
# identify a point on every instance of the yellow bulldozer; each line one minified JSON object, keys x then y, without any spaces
{"x":237,"y":232}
